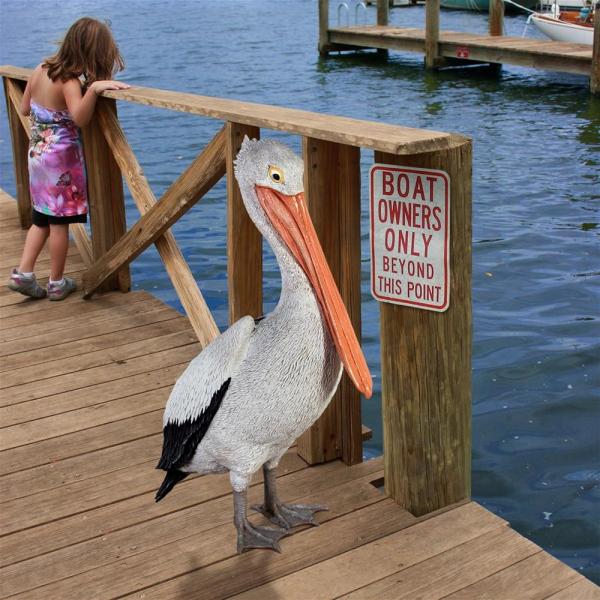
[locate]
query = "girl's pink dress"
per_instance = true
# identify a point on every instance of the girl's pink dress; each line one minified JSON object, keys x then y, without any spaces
{"x":57,"y":178}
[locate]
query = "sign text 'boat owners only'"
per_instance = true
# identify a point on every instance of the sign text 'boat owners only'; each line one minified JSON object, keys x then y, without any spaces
{"x":410,"y":237}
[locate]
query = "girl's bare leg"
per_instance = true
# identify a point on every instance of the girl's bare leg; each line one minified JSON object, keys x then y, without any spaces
{"x":59,"y":244}
{"x":34,"y":242}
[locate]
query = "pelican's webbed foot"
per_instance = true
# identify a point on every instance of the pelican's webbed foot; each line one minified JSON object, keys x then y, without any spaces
{"x":250,"y":536}
{"x":285,"y":515}
{"x":291,"y":515}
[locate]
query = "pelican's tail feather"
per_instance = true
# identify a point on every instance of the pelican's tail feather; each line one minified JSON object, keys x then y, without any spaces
{"x":173,"y":477}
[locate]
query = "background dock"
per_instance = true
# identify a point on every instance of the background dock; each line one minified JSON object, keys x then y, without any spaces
{"x":454,"y":48}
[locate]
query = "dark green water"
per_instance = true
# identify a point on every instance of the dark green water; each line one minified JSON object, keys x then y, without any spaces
{"x":536,"y":182}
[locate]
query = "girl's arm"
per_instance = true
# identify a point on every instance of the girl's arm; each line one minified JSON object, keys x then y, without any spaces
{"x":26,"y":101}
{"x":81,"y":106}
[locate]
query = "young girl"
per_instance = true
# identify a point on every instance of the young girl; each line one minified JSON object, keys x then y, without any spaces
{"x":59,"y":106}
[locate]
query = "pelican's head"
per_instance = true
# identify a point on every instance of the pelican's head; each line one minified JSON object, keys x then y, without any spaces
{"x":270,"y":177}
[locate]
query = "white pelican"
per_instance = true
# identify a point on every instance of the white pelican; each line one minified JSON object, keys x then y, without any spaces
{"x":242,"y":402}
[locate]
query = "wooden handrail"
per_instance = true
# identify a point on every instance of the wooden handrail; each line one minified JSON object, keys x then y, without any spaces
{"x":342,"y":130}
{"x":191,"y":185}
{"x":177,"y":268}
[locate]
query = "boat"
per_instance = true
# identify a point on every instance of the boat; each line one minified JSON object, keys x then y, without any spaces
{"x":484,"y":5}
{"x":576,"y":27}
{"x":563,"y":4}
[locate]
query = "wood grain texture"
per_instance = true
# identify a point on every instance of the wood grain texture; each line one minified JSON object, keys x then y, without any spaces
{"x":432,"y":33}
{"x":13,"y":91}
{"x":177,"y":268}
{"x":383,"y":12}
{"x":583,"y":589}
{"x":105,"y":198}
{"x":192,"y":184}
{"x":244,"y":241}
{"x":108,"y":520}
{"x":356,"y":518}
{"x":332,"y":188}
{"x":496,"y":17}
{"x":168,"y":524}
{"x":364,"y":568}
{"x":538,"y":577}
{"x":354,"y":132}
{"x":323,"y":27}
{"x":426,"y":367}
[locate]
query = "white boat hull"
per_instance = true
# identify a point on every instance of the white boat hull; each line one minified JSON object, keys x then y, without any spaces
{"x":564,"y":32}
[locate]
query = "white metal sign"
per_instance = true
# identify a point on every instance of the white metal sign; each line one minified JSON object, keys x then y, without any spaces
{"x":410,"y":236}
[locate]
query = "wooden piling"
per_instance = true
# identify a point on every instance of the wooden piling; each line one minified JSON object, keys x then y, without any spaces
{"x":20,"y":148}
{"x":383,"y":12}
{"x":383,"y":18}
{"x":426,"y":366}
{"x":332,"y":188}
{"x":105,"y":197}
{"x":595,"y":75}
{"x":496,"y":17}
{"x":323,"y":27}
{"x":244,"y":242}
{"x":432,"y":34}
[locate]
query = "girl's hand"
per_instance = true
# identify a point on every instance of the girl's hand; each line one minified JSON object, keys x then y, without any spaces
{"x":108,"y":84}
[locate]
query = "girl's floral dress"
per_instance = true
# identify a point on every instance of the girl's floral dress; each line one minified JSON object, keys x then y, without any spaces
{"x":57,"y":178}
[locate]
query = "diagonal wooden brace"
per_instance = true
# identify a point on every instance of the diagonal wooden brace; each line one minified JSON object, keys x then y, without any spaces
{"x":191,"y":185}
{"x":181,"y":276}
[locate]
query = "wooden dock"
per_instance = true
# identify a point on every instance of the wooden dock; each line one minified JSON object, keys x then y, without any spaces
{"x":453,"y":48}
{"x":524,"y":52}
{"x":83,"y":388}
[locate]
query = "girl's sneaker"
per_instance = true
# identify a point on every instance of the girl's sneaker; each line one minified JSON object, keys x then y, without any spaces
{"x":28,"y":286}
{"x":61,"y":291}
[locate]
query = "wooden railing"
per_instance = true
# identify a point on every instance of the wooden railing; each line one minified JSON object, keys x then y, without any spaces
{"x":425,"y":356}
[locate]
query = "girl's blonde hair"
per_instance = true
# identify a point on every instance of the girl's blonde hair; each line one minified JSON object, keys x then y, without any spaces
{"x":88,"y":50}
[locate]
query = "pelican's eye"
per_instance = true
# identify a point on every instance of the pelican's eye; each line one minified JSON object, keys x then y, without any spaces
{"x":276,"y":174}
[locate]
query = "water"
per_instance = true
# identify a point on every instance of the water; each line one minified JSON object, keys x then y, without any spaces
{"x":535,"y":194}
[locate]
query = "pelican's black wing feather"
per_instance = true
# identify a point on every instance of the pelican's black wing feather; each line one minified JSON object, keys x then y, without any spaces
{"x":181,"y":439}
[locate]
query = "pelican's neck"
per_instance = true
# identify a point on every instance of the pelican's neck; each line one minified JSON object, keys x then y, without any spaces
{"x":296,"y":290}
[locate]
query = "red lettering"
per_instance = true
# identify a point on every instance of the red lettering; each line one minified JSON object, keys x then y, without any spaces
{"x":419,"y":189}
{"x":431,"y":181}
{"x":436,"y":215}
{"x":403,"y":185}
{"x":389,"y":239}
{"x":388,"y":183}
{"x":382,"y":207}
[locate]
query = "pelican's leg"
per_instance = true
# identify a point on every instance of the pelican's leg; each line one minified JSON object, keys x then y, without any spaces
{"x":285,"y":515}
{"x":248,"y":535}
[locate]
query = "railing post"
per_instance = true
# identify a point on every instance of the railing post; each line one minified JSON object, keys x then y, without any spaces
{"x":426,"y":366}
{"x":20,"y":148}
{"x":432,"y":33}
{"x":323,"y":27}
{"x":496,"y":25}
{"x":332,"y":188}
{"x":595,"y":74}
{"x":244,"y":242}
{"x":105,"y":196}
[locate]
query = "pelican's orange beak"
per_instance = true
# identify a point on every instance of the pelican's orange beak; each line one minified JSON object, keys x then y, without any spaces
{"x":289,"y":217}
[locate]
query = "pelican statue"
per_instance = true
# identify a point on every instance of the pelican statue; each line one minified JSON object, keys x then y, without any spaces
{"x":243,"y":401}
